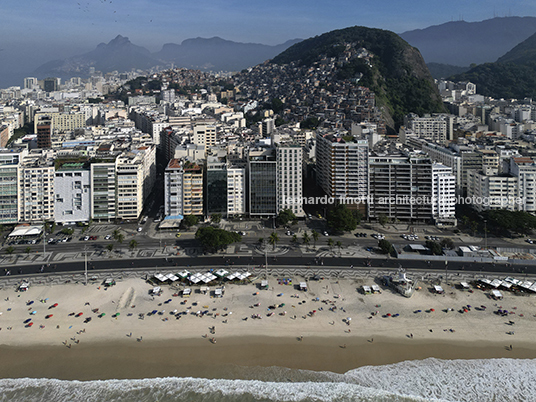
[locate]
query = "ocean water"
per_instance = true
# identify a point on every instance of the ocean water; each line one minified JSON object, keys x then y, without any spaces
{"x":431,"y":379}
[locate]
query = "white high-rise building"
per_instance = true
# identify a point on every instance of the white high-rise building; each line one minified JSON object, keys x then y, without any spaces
{"x":525,"y":170}
{"x":36,"y":188}
{"x":72,"y":199}
{"x":443,"y":195}
{"x":236,"y":191}
{"x":289,"y":184}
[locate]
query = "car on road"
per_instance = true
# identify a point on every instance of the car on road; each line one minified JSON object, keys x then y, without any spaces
{"x":107,"y":237}
{"x":325,"y":233}
{"x":140,"y":229}
{"x":530,"y":241}
{"x":178,"y":235}
{"x":378,"y":236}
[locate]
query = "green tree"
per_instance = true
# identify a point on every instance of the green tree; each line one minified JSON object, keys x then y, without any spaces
{"x":385,"y":246}
{"x":216,"y":218}
{"x":115,"y":234}
{"x":132,"y":245}
{"x":447,"y":242}
{"x":120,"y":238}
{"x":339,"y":245}
{"x":274,"y":238}
{"x":214,"y":239}
{"x":434,"y":247}
{"x":315,"y":236}
{"x":330,"y":244}
{"x":28,"y":250}
{"x":9,"y":250}
{"x":110,"y":247}
{"x":285,"y":216}
{"x":190,"y":220}
{"x":67,"y":231}
{"x":295,"y":239}
{"x":474,"y":227}
{"x":341,"y":219}
{"x":383,"y":219}
{"x":305,"y":238}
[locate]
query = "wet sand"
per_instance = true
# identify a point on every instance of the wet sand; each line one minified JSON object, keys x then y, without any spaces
{"x":232,"y":357}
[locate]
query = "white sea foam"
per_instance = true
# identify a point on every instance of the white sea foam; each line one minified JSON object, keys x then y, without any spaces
{"x":189,"y":389}
{"x":505,"y":380}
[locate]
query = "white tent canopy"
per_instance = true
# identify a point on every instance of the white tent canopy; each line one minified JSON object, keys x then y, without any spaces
{"x":26,"y":230}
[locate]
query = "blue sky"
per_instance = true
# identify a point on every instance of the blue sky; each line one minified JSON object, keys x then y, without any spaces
{"x":35,"y":31}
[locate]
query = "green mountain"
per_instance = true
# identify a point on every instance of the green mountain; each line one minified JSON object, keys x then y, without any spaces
{"x":439,"y":70}
{"x":511,"y":76}
{"x":524,"y":53}
{"x":396,"y":72}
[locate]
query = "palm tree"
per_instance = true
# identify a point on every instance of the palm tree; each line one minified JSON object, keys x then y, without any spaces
{"x":10,"y":250}
{"x":274,"y":238}
{"x":306,"y":238}
{"x":120,"y":237}
{"x":295,"y":239}
{"x":330,"y":244}
{"x":132,"y":245}
{"x":339,"y":245}
{"x":315,"y":236}
{"x":115,"y":234}
{"x":110,"y":247}
{"x":28,"y":250}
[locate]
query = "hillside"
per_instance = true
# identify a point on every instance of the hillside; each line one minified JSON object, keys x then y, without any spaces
{"x":511,"y":76}
{"x":462,"y":43}
{"x":523,"y":53}
{"x":397,"y":73}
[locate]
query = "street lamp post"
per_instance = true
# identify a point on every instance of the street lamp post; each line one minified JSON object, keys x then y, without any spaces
{"x":85,"y":263}
{"x":486,"y":233}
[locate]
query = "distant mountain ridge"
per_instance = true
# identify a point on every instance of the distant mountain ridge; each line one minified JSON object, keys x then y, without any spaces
{"x":122,"y":55}
{"x":461,"y":43}
{"x":512,"y":76}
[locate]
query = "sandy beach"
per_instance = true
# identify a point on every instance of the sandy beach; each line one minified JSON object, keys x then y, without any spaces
{"x":305,"y":333}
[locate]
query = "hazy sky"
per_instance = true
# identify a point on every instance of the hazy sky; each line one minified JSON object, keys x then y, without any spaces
{"x":35,"y":31}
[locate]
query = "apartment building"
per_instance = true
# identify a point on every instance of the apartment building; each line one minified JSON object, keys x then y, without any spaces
{"x":431,"y":128}
{"x":9,"y":184}
{"x":205,"y":135}
{"x":129,"y":186}
{"x":492,"y":191}
{"x":342,"y":167}
{"x":183,"y":188}
{"x":400,"y":187}
{"x":36,"y":187}
{"x":103,"y":190}
{"x":525,"y":170}
{"x":262,"y":171}
{"x":216,"y":185}
{"x":72,"y":198}
{"x":443,"y":195}
{"x":289,"y":181}
{"x":236,"y":190}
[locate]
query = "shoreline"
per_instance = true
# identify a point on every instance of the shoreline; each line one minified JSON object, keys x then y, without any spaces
{"x":234,"y":358}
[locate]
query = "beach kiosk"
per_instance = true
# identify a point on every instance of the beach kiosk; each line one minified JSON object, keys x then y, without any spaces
{"x":186,"y":292}
{"x":218,"y":292}
{"x":24,"y":286}
{"x":376,"y":289}
{"x":496,"y":295}
{"x":156,"y":291}
{"x":367,"y":290}
{"x":438,"y":289}
{"x":264,"y":285}
{"x":465,"y":285}
{"x":303,"y":286}
{"x":108,"y":282}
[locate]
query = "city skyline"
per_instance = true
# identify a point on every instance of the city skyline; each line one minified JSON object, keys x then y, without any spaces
{"x":57,"y":30}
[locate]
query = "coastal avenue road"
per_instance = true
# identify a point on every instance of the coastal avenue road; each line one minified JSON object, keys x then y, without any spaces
{"x":207,"y":262}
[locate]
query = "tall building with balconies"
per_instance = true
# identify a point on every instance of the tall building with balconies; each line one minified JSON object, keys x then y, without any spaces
{"x":342,"y":168}
{"x":289,"y":182}
{"x":36,"y":188}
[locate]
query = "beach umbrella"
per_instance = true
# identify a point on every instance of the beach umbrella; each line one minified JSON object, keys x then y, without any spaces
{"x":30,"y":303}
{"x":30,"y":324}
{"x":388,"y":314}
{"x":33,"y":312}
{"x":48,"y":316}
{"x":432,"y":309}
{"x":27,"y":321}
{"x":101,"y":315}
